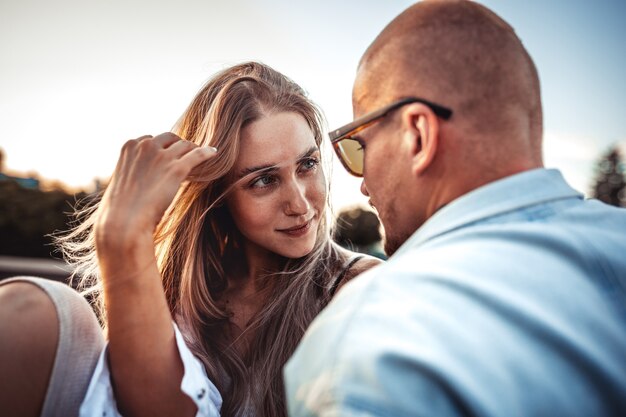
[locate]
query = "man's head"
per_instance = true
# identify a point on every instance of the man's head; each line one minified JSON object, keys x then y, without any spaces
{"x":460,"y":55}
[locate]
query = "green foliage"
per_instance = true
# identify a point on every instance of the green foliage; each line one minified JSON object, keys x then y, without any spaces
{"x":610,"y":186}
{"x":29,"y":216}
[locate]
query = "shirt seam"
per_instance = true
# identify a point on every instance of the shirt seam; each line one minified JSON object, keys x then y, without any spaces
{"x":485,"y":218}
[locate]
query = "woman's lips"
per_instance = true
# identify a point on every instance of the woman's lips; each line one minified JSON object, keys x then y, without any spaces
{"x":298,"y":231}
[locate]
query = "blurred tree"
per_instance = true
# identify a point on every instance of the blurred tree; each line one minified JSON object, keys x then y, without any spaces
{"x":359,"y":230}
{"x":610,"y":185}
{"x":28,"y":217}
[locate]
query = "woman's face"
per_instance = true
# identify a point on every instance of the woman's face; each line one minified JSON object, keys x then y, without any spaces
{"x":280,"y":194}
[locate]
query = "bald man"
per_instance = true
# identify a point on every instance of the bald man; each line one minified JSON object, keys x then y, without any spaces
{"x":505,"y":292}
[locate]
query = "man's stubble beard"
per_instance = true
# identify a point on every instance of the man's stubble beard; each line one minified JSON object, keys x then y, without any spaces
{"x":394,"y":237}
{"x":392,"y":242}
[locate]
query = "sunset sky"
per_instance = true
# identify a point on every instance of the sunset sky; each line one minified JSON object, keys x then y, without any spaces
{"x":79,"y":78}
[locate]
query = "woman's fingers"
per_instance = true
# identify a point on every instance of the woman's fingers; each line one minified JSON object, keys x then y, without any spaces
{"x":180,"y":148}
{"x":196,"y":156}
{"x":146,"y":179}
{"x":188,"y":155}
{"x":165,"y":140}
{"x":148,"y":154}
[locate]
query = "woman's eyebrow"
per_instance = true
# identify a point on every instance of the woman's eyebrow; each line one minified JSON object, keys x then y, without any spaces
{"x":248,"y":171}
{"x":308,"y":152}
{"x":274,"y":167}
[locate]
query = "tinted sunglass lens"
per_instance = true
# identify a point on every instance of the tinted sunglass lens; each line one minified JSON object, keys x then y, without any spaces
{"x":351,"y":153}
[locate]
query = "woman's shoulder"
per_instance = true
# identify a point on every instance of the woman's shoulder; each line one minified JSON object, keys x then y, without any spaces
{"x":355,"y":264}
{"x":360,"y":263}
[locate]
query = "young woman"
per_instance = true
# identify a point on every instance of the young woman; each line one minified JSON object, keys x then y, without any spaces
{"x":238,"y":256}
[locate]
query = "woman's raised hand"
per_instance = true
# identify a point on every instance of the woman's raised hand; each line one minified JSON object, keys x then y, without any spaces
{"x":148,"y":174}
{"x":147,"y":177}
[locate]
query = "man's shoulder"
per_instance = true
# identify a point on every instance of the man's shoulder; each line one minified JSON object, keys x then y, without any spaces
{"x":403,"y":334}
{"x":434,"y":300}
{"x":359,"y":354}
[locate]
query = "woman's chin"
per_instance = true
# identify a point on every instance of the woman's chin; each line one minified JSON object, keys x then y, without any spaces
{"x":297,"y":250}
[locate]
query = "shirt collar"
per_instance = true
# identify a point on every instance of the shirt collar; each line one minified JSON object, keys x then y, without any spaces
{"x":525,"y":189}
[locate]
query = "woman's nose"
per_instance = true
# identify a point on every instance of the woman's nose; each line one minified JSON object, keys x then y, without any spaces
{"x":296,"y":203}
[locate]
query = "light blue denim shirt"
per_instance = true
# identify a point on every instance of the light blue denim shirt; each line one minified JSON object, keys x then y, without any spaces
{"x":509,"y":301}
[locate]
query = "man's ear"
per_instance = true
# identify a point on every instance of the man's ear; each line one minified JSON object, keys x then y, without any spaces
{"x":421,"y":128}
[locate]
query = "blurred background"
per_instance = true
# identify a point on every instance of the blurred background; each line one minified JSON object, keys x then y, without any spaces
{"x":79,"y":78}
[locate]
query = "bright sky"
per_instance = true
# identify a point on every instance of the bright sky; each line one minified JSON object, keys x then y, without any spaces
{"x":78,"y":78}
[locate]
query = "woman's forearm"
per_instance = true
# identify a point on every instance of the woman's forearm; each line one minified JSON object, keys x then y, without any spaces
{"x":145,"y":364}
{"x":146,"y":367}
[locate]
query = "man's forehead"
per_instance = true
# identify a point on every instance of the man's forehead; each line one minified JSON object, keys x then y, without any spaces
{"x":359,"y":100}
{"x":372,"y":91}
{"x":364,"y":91}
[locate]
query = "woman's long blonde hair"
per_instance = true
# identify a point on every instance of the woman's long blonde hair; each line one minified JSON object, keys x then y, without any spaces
{"x":197,"y":236}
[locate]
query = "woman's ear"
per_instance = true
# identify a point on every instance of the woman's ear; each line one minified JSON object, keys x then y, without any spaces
{"x":422,"y":131}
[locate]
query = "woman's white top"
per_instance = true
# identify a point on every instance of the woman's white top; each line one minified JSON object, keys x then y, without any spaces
{"x":99,"y":400}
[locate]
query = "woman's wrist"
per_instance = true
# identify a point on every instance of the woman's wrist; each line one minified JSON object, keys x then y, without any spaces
{"x":124,"y":250}
{"x":122,"y":234}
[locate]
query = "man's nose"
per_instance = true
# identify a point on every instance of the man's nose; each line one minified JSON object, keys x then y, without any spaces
{"x":364,"y":189}
{"x":296,"y":202}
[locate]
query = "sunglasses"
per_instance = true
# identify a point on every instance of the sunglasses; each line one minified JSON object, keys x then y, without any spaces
{"x":348,"y":147}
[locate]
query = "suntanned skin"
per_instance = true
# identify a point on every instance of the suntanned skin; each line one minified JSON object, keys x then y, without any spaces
{"x":26,"y":315}
{"x":145,"y":364}
{"x":486,"y":78}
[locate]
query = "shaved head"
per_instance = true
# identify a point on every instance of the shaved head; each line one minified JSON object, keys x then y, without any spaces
{"x":463,"y":56}
{"x":460,"y":55}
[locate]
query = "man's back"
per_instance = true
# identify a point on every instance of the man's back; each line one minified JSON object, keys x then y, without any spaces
{"x":509,"y":301}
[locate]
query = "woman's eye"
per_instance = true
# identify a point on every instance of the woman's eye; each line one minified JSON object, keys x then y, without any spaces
{"x":263,"y":182}
{"x":310,"y":164}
